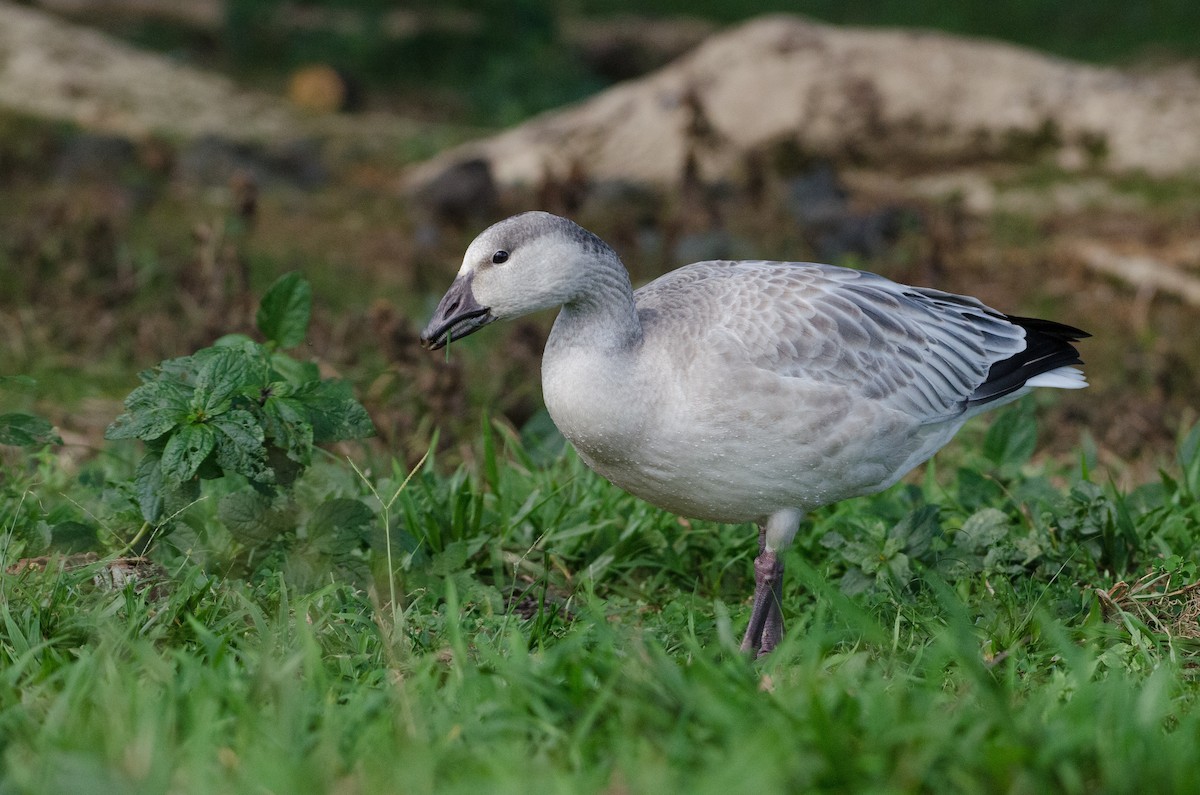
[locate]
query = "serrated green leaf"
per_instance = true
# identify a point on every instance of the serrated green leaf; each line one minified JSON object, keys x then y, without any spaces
{"x":355,"y":423}
{"x":280,"y":389}
{"x":239,"y":445}
{"x":982,"y":530}
{"x":150,"y":487}
{"x":916,"y":531}
{"x":1028,"y":548}
{"x":180,"y":370}
{"x":340,"y":526}
{"x":223,"y":374}
{"x":185,"y":451}
{"x":234,"y":341}
{"x":340,"y":513}
{"x":251,"y":355}
{"x":285,"y":311}
{"x":855,"y":581}
{"x":288,"y":427}
{"x":25,"y":430}
{"x":334,"y":412}
{"x":251,"y":517}
{"x":152,"y":410}
{"x":146,"y":425}
{"x":899,"y":568}
{"x":284,"y":470}
{"x":833,"y":540}
{"x":293,"y":371}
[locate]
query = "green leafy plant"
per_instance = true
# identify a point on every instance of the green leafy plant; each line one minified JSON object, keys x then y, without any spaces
{"x":878,"y":555}
{"x":238,"y":409}
{"x":19,"y":429}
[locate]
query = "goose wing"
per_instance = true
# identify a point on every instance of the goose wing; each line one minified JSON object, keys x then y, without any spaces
{"x":928,"y":353}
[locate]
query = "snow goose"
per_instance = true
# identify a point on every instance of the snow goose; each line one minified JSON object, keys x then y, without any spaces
{"x":748,"y":391}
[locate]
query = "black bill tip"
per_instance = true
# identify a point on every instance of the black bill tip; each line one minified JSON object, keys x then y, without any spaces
{"x":437,"y":334}
{"x":457,"y":315}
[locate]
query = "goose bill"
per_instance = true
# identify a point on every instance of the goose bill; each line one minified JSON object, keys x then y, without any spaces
{"x":458,"y":314}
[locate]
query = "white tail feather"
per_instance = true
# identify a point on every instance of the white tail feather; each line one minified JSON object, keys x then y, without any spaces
{"x":1061,"y":378}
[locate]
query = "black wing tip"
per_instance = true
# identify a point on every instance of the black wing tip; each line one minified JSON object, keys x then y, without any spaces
{"x":1047,"y":347}
{"x":1051,"y":328}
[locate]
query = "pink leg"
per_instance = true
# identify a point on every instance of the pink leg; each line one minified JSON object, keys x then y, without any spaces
{"x":766,"y":618}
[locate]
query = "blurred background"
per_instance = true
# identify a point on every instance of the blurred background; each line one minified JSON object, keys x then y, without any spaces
{"x":162,"y":162}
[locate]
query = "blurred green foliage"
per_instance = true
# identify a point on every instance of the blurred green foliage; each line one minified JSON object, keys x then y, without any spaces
{"x":506,"y":63}
{"x":1102,"y":30}
{"x":493,"y":63}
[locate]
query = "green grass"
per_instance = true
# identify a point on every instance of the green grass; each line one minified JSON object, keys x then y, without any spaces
{"x":952,"y":643}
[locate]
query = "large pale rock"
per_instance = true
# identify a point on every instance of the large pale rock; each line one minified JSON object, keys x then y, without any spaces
{"x":903,"y":98}
{"x":53,"y":69}
{"x":56,"y":70}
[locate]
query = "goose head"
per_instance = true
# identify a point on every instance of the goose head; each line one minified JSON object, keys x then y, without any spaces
{"x":529,"y":262}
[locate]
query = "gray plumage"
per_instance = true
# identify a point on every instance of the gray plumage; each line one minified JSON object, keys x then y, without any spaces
{"x":748,"y":391}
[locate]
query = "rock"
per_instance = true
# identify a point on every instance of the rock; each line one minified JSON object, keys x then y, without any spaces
{"x":56,"y":70}
{"x":892,"y":98}
{"x":462,"y":192}
{"x":52,"y":69}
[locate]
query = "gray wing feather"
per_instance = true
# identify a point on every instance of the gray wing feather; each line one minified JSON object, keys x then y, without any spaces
{"x":921,"y":351}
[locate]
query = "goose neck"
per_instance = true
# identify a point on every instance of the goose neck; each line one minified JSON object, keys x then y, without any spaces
{"x":604,"y":313}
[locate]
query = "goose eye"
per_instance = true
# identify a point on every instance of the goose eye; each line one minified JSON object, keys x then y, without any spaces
{"x":500,"y":256}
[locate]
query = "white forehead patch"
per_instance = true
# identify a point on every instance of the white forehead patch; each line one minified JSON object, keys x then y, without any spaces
{"x":473,"y":255}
